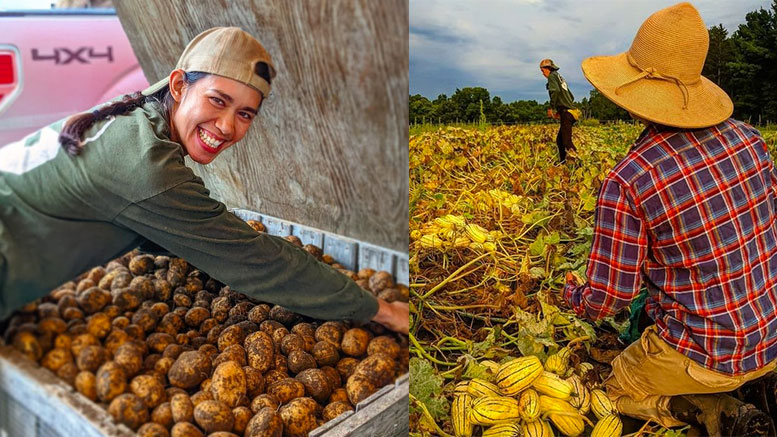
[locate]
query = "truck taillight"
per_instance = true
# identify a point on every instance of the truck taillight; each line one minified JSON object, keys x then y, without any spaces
{"x":6,"y":68}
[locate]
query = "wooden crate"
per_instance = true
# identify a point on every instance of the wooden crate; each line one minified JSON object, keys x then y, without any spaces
{"x":36,"y":403}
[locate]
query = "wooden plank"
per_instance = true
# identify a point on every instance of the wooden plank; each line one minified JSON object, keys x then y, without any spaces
{"x":277,"y":227}
{"x":343,"y":250}
{"x":309,"y":235}
{"x":374,"y":258}
{"x":329,"y":148}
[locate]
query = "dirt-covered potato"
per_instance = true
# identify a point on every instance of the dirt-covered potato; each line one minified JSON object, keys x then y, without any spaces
{"x":265,"y":423}
{"x":91,"y":358}
{"x":56,"y":358}
{"x":259,"y":348}
{"x":274,"y":375}
{"x":68,"y":372}
{"x":163,"y":365}
{"x":141,"y":264}
{"x":378,"y":368}
{"x":300,"y":360}
{"x":27,"y":343}
{"x":359,"y":387}
{"x":355,"y":341}
{"x":185,"y":429}
{"x":292,"y":342}
{"x":149,"y":389}
{"x":181,"y":408}
{"x":130,"y":357}
{"x":331,"y":332}
{"x":126,"y":298}
{"x":277,"y":336}
{"x":286,"y":389}
{"x":158,"y":341}
{"x":380,"y":281}
{"x":72,"y":313}
{"x":111,"y":381}
{"x":163,"y":415}
{"x":325,"y":354}
{"x":231,"y":353}
{"x":229,"y":383}
{"x":86,"y":384}
{"x":196,"y":315}
{"x":314,"y":250}
{"x":242,"y":416}
{"x":146,"y":318}
{"x":52,"y":325}
{"x":93,"y":299}
{"x":99,"y":325}
{"x":304,"y":329}
{"x":213,"y":416}
{"x":201,"y":396}
{"x":339,"y":395}
{"x":316,"y":384}
{"x":152,"y":429}
{"x":115,"y":339}
{"x":259,"y":313}
{"x":256,"y":225}
{"x":190,"y":369}
{"x":281,"y":363}
{"x":383,"y":345}
{"x":144,"y":286}
{"x":299,"y":417}
{"x":335,"y":409}
{"x":390,"y":294}
{"x":264,"y":400}
{"x":230,"y":335}
{"x":128,"y":409}
{"x":283,"y":315}
{"x":163,"y":291}
{"x":333,"y":376}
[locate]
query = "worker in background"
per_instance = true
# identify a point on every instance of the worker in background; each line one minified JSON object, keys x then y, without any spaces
{"x":561,"y":102}
{"x":98,"y":184}
{"x":690,"y":213}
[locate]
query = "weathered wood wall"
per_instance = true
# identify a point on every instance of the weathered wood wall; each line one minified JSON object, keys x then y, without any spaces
{"x":329,"y":149}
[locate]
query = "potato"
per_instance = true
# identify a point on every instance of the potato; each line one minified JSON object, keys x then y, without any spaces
{"x":201,"y":396}
{"x":195,"y":316}
{"x":229,"y":383}
{"x":86,"y":384}
{"x":259,"y":348}
{"x":326,"y":258}
{"x":277,"y":336}
{"x":331,"y":332}
{"x":316,"y":384}
{"x":111,"y":381}
{"x":149,"y":389}
{"x":160,"y":309}
{"x":265,"y":423}
{"x":207,"y":324}
{"x":146,"y":319}
{"x":254,"y":381}
{"x":379,"y":368}
{"x":68,"y":372}
{"x":281,"y":363}
{"x":292,"y":342}
{"x":128,"y":409}
{"x":325,"y":354}
{"x":222,"y":434}
{"x":355,"y":341}
{"x":190,"y":369}
{"x":175,"y":278}
{"x":346,"y":367}
{"x":158,"y":341}
{"x":229,"y":336}
{"x":111,"y":311}
{"x":283,"y":315}
{"x":52,"y":325}
{"x":63,"y":341}
{"x":72,"y":313}
{"x":152,"y":429}
{"x":181,"y":408}
{"x":182,"y":300}
{"x":99,"y":325}
{"x":163,"y":291}
{"x":381,"y":280}
{"x":264,"y":400}
{"x":242,"y":416}
{"x":96,"y":273}
{"x":130,"y":357}
{"x":286,"y":389}
{"x":56,"y":358}
{"x":163,"y":365}
{"x":274,"y":375}
{"x":390,"y":295}
{"x":359,"y":387}
{"x":141,"y":264}
{"x":115,"y":339}
{"x":241,"y":309}
{"x":259,"y":313}
{"x":144,"y":286}
{"x":385,"y":345}
{"x":121,"y":280}
{"x":270,"y":326}
{"x":339,"y":395}
{"x":126,"y":298}
{"x":210,"y":350}
{"x":335,"y":409}
{"x":163,"y":415}
{"x":231,"y":353}
{"x":300,"y":360}
{"x":185,"y":429}
{"x":213,"y":416}
{"x":173,"y":350}
{"x":28,"y":345}
{"x":93,"y":299}
{"x":91,"y":358}
{"x":364,"y":284}
{"x":333,"y":376}
{"x":299,"y":417}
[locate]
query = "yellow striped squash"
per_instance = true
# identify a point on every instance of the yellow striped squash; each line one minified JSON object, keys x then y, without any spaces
{"x":581,"y":398}
{"x":490,"y":410}
{"x":601,"y":405}
{"x":514,"y":376}
{"x":552,"y":385}
{"x":558,"y":363}
{"x":609,"y":426}
{"x":462,"y":426}
{"x":479,"y":388}
{"x":529,"y":402}
{"x":461,"y":388}
{"x":537,"y":428}
{"x":504,"y":430}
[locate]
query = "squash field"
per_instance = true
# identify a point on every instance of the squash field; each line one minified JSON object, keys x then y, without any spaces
{"x":495,"y":224}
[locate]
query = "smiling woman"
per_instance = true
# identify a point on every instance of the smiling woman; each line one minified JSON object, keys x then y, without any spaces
{"x":123,"y":182}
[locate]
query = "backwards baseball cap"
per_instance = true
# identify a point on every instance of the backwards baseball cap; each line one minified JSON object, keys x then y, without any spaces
{"x":226,"y":51}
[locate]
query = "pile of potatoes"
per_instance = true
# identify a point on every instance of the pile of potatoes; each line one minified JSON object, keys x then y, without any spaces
{"x":171,"y":352}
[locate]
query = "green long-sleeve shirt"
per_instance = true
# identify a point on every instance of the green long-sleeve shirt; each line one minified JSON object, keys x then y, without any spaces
{"x":558,"y":91}
{"x":61,"y":214}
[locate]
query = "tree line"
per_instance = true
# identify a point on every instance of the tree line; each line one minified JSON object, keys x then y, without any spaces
{"x":743,"y":63}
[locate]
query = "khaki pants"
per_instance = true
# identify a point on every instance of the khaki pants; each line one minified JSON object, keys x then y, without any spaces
{"x":649,"y":372}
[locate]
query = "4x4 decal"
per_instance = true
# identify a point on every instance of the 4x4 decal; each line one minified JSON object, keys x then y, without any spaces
{"x":63,"y":55}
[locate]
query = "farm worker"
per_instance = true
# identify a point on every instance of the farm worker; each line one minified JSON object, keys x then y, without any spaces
{"x":91,"y":187}
{"x":561,"y":102}
{"x":689,"y":213}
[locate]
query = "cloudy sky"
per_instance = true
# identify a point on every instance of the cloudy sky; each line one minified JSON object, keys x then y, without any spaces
{"x":498,"y":44}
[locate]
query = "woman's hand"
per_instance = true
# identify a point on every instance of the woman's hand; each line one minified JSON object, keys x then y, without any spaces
{"x":394,"y":316}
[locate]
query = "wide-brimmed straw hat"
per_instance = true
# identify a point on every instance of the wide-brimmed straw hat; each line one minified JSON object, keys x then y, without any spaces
{"x":226,"y":51}
{"x":659,"y":78}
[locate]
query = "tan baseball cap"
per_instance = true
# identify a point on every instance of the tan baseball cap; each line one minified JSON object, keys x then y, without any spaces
{"x":226,"y":51}
{"x":547,"y":63}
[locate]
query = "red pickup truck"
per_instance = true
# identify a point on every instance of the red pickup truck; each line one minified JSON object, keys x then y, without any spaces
{"x":54,"y":63}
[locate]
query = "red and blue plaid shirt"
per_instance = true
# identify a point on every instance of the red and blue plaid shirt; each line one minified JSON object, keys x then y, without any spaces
{"x":692,"y":214}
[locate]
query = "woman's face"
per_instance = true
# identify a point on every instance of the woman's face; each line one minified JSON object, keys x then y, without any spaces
{"x":211,"y":114}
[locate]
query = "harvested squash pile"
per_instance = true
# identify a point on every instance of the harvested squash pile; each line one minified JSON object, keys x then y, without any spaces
{"x":169,"y":351}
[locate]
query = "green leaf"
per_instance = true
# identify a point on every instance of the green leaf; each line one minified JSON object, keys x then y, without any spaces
{"x":475,"y":370}
{"x":426,"y":386}
{"x":537,"y":247}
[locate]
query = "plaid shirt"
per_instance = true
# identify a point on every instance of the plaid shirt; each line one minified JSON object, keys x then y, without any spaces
{"x":692,"y":213}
